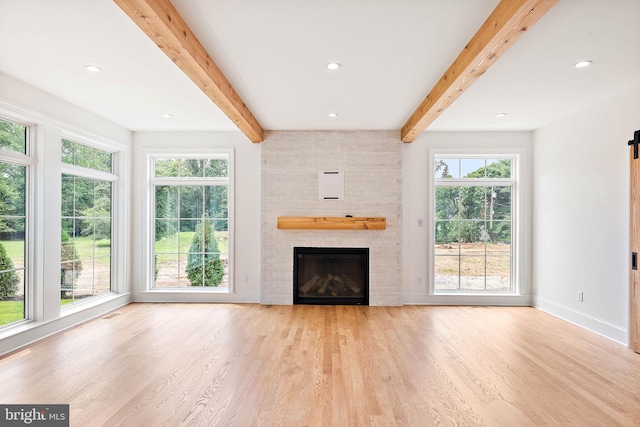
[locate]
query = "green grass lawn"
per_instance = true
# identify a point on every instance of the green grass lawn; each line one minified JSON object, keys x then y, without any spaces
{"x":172,"y":242}
{"x":11,"y":311}
{"x":180,"y":242}
{"x":15,"y":250}
{"x":85,"y":247}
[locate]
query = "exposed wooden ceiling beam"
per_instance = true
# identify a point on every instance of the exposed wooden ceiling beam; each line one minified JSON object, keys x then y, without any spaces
{"x":162,"y":23}
{"x":509,"y":20}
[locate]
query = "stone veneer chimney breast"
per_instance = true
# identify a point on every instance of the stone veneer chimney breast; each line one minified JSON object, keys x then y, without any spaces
{"x":372,"y":165}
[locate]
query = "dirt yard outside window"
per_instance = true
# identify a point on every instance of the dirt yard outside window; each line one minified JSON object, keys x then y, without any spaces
{"x":473,"y":267}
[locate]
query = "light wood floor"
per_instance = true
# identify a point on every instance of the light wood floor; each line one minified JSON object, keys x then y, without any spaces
{"x":249,"y":365}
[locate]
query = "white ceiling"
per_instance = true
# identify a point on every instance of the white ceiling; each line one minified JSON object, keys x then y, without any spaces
{"x":274,"y":54}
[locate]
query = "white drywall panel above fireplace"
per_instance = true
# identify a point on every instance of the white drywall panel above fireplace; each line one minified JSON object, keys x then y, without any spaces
{"x":372,"y":165}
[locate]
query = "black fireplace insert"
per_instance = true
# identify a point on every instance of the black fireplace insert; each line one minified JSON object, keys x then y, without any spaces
{"x":331,"y":276}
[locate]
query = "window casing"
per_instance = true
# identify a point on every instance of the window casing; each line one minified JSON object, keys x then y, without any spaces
{"x":87,"y":228}
{"x":475,"y":223}
{"x":192,"y":229}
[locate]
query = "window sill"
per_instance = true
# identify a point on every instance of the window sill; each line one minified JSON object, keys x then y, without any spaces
{"x":73,"y":308}
{"x":17,"y":328}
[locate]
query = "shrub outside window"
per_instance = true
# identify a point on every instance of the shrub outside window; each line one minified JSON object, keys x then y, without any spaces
{"x":192,"y":222}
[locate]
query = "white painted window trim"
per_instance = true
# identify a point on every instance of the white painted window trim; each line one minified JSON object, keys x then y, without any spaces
{"x":44,"y":311}
{"x":519,"y":282}
{"x":17,"y":158}
{"x":149,"y":218}
{"x":88,"y":173}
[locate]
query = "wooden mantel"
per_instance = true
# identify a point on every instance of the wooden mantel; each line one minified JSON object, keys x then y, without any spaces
{"x":331,"y":223}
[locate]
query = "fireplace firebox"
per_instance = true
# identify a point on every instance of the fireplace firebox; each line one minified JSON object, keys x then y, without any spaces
{"x":331,"y":276}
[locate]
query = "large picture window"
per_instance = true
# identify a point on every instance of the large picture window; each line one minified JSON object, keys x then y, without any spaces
{"x":87,"y":199}
{"x":474,"y":224}
{"x":14,"y":174}
{"x":192,"y":222}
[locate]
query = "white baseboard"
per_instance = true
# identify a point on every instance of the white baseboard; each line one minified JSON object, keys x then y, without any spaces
{"x":468,"y":299}
{"x":193,"y":296}
{"x":601,"y":327}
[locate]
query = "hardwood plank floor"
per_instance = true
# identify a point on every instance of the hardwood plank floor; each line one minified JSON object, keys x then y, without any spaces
{"x":253,"y":365}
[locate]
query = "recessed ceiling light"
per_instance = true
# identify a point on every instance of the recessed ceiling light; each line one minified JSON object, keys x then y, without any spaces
{"x":500,"y":115}
{"x":582,"y":64}
{"x":167,"y":115}
{"x":333,"y":65}
{"x":92,"y":68}
{"x":332,"y":115}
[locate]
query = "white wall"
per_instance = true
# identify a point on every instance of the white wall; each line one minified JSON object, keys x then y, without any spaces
{"x":581,"y":215}
{"x":247,"y":213}
{"x":52,"y":118}
{"x":417,"y":255}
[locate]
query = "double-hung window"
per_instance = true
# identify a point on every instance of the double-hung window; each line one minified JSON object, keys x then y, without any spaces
{"x":15,"y":173}
{"x":474,"y":224}
{"x":87,"y":206}
{"x":192,"y":214}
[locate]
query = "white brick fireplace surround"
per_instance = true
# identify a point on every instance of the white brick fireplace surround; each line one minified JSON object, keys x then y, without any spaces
{"x":372,"y":165}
